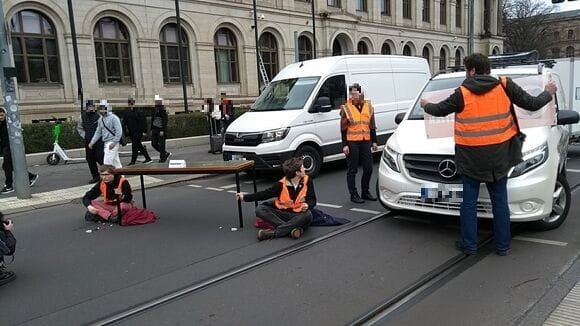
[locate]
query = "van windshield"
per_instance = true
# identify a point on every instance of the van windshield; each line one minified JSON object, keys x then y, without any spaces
{"x":287,"y":94}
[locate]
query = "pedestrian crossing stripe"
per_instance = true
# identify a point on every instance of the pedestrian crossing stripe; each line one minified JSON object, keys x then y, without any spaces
{"x":360,"y":210}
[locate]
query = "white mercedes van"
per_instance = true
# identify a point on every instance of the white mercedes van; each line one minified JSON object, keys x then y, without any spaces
{"x":417,"y":171}
{"x":298,"y":113}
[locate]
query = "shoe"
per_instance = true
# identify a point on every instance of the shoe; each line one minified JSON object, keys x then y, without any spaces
{"x":265,"y":234}
{"x":147,"y":161}
{"x":114,"y":219}
{"x":6,"y":276}
{"x":131,"y":163}
{"x":355,"y":198}
{"x":296,"y":233}
{"x":459,"y":246}
{"x":502,"y":252}
{"x":368,"y":196}
{"x":94,"y":180}
{"x":33,"y":180}
{"x":161,"y":160}
{"x":167,"y":154}
{"x":6,"y":190}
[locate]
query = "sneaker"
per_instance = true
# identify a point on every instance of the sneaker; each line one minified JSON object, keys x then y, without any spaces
{"x":459,"y":246}
{"x":6,"y":190}
{"x":296,"y":233}
{"x":265,"y":234}
{"x":368,"y":196}
{"x":131,"y":163}
{"x":502,"y":252}
{"x":147,"y":161}
{"x":33,"y":180}
{"x":6,"y":275}
{"x":355,"y":198}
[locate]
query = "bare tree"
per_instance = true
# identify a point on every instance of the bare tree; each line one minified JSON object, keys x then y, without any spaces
{"x":526,"y":27}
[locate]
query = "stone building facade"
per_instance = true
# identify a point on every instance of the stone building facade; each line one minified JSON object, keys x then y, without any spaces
{"x":564,"y":34}
{"x":129,"y":47}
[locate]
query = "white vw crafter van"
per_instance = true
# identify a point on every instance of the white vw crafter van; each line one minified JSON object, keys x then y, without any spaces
{"x":298,"y":113}
{"x":417,"y":171}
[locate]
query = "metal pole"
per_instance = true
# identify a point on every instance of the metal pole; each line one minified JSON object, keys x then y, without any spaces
{"x":296,"y":50}
{"x":7,"y":74}
{"x":471,"y":9}
{"x":313,"y":31}
{"x":180,"y":56}
{"x":257,"y":46}
{"x":75,"y":52}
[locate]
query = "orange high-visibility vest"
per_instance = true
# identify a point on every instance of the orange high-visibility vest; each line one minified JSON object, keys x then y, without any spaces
{"x":359,"y":122}
{"x":285,"y":202}
{"x":103,"y":188}
{"x":486,"y":119}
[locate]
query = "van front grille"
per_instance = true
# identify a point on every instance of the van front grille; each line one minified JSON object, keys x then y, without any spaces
{"x":243,"y":139}
{"x":426,"y":167}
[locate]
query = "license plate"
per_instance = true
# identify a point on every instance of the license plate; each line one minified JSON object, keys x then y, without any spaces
{"x":237,"y":157}
{"x":442,"y":192}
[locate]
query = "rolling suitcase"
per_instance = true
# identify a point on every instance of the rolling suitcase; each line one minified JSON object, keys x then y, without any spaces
{"x":215,"y":143}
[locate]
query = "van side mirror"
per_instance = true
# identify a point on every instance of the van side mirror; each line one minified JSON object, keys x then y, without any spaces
{"x":567,"y":117}
{"x":399,"y":117}
{"x":322,"y":105}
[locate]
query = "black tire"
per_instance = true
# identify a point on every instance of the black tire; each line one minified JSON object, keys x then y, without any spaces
{"x":562,"y":198}
{"x":312,"y":159}
{"x":53,"y":158}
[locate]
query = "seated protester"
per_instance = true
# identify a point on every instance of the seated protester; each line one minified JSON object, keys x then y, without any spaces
{"x":7,"y":248}
{"x":112,"y":188}
{"x":290,"y":212}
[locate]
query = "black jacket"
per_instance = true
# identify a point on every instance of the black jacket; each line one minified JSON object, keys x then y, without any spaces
{"x":7,"y":242}
{"x":159,"y":116}
{"x":4,"y":140}
{"x":88,"y":123}
{"x":276,"y":189}
{"x":491,"y":162}
{"x":134,"y":122}
{"x":95,"y":192}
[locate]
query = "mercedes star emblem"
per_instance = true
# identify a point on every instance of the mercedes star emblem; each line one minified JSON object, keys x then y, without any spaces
{"x":447,"y":169}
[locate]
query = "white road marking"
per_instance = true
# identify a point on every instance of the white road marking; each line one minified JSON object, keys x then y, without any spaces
{"x":248,"y":182}
{"x":573,"y":170}
{"x":360,"y":210}
{"x":229,"y":186}
{"x":543,"y":241}
{"x":232,"y":191}
{"x":328,"y":205}
{"x":195,"y":186}
{"x":214,"y":189}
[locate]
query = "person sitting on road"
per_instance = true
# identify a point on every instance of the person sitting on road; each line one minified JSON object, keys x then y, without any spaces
{"x":7,"y":248}
{"x":290,"y":212}
{"x":116,"y":192}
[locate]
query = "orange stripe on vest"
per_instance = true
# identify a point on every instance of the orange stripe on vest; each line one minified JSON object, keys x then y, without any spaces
{"x":285,"y":202}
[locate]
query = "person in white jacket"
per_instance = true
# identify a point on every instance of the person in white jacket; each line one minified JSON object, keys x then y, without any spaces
{"x":110,"y":130}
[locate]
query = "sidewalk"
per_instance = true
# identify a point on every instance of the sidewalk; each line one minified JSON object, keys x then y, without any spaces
{"x":64,"y":183}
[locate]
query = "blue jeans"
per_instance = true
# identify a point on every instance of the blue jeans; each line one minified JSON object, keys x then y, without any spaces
{"x":501,"y":213}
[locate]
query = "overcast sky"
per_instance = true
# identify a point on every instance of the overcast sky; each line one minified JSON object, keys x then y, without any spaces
{"x":566,"y":5}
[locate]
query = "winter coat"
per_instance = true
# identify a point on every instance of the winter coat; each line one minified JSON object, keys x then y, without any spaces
{"x":113,"y":123}
{"x":159,"y":119}
{"x":134,"y":122}
{"x":87,"y":125}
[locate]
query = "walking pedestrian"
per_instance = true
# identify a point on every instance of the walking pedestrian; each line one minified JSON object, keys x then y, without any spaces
{"x":485,"y":130}
{"x":359,"y":137}
{"x":7,"y":165}
{"x":116,"y":193}
{"x":227,"y":110}
{"x":86,"y":127}
{"x":291,"y":210}
{"x":159,"y":129}
{"x":7,"y":248}
{"x":109,"y":129}
{"x":135,"y":126}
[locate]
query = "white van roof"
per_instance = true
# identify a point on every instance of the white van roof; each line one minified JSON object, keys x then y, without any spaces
{"x":326,"y":65}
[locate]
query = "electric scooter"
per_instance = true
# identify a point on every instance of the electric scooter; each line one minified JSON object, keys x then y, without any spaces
{"x":58,"y":152}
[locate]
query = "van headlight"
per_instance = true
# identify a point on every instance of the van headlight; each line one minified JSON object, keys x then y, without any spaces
{"x":275,"y":135}
{"x":391,"y":157}
{"x":532,"y":159}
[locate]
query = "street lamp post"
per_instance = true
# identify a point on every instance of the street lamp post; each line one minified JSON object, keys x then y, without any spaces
{"x":180,"y":55}
{"x":313,"y":31}
{"x":257,"y":47}
{"x":75,"y":52}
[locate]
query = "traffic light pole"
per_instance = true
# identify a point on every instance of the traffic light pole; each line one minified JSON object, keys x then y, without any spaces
{"x":7,"y":75}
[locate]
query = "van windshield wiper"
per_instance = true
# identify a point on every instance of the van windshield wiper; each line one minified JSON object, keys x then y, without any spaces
{"x":415,"y":117}
{"x":268,"y":109}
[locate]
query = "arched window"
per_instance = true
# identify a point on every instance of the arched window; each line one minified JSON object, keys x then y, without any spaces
{"x":226,"y":56}
{"x":495,"y":50}
{"x":112,"y":51}
{"x":442,"y":60}
{"x":269,"y":53}
{"x":336,"y":48}
{"x":35,"y":48}
{"x":386,"y":48}
{"x":570,"y":34}
{"x":362,"y":48}
{"x":570,"y":52}
{"x":304,"y":48}
{"x":169,"y":54}
{"x":457,"y":58}
{"x":407,"y":50}
{"x":427,"y":55}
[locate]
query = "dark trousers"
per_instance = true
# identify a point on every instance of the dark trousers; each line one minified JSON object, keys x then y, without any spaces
{"x":359,"y":153}
{"x":9,"y":169}
{"x":284,"y":221}
{"x":158,"y":142}
{"x":137,"y":147}
{"x":94,"y":156}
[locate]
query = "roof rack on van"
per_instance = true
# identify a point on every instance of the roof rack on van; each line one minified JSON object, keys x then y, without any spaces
{"x":519,"y":59}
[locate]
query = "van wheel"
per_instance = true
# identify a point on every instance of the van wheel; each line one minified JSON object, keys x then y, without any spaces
{"x":52,"y":158}
{"x":312,"y":159}
{"x":561,"y":200}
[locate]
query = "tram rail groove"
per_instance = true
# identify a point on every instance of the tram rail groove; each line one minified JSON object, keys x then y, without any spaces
{"x":153,"y":303}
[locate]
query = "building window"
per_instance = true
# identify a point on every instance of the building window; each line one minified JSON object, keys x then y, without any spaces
{"x":407,"y":51}
{"x":457,"y":58}
{"x":570,"y":52}
{"x":486,"y":17}
{"x":443,"y":12}
{"x":269,"y":53}
{"x":442,"y":60}
{"x":426,"y":11}
{"x":555,"y":53}
{"x":336,"y":48}
{"x":407,"y":9}
{"x":361,"y":5}
{"x":226,"y":56}
{"x":570,"y":34}
{"x":427,"y":55}
{"x":333,"y":3}
{"x":458,"y":11}
{"x":304,"y":48}
{"x":112,"y":52}
{"x":35,"y":48}
{"x":362,"y":48}
{"x":386,"y":49}
{"x":386,"y":7}
{"x":169,"y":54}
{"x":556,"y":35}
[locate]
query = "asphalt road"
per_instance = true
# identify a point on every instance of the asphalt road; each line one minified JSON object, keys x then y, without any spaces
{"x":68,"y":276}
